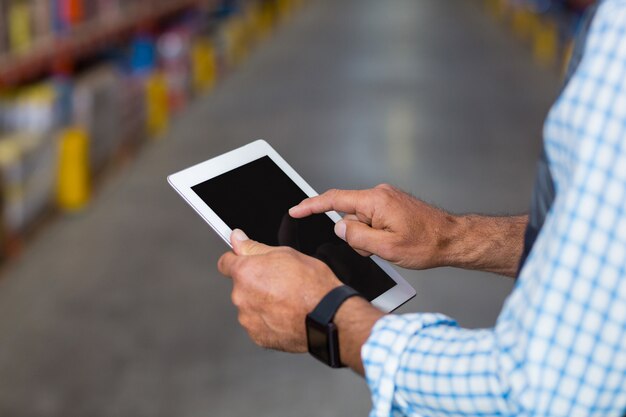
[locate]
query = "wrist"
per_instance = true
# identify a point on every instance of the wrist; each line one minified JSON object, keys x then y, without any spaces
{"x":462,"y":242}
{"x":484,"y":243}
{"x":459,"y":252}
{"x":450,"y":240}
{"x":354,"y":320}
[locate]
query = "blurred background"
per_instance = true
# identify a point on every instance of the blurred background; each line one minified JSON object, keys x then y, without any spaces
{"x":110,"y":302}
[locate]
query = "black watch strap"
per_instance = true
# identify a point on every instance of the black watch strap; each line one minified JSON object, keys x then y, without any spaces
{"x":326,"y":309}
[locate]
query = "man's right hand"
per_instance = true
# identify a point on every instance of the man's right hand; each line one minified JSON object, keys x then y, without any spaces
{"x":398,"y":227}
{"x":387,"y":222}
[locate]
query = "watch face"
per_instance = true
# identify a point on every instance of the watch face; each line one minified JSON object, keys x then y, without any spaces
{"x":317,"y":338}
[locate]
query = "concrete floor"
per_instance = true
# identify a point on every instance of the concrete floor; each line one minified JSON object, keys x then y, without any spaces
{"x":120,"y":311}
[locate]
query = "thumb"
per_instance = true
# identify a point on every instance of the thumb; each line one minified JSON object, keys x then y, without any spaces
{"x":361,"y":236}
{"x":242,"y":245}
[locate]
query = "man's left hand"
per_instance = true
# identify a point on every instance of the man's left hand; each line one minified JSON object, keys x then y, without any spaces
{"x":274,"y":289}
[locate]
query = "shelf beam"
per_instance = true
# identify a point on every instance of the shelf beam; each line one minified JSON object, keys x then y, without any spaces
{"x":84,"y":40}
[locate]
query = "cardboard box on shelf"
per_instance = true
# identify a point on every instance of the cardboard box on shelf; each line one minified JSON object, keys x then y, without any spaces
{"x":27,"y":177}
{"x":19,"y":25}
{"x":96,"y":109}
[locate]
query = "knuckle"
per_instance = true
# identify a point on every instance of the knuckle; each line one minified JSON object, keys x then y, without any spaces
{"x":383,"y":195}
{"x":289,"y":251}
{"x":258,"y":340}
{"x":388,"y":188}
{"x":282,"y":252}
{"x":248,"y":324}
{"x":388,"y":192}
{"x":236,"y":298}
{"x":244,"y":321}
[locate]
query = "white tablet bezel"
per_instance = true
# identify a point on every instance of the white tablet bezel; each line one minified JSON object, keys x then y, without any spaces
{"x":183,"y":181}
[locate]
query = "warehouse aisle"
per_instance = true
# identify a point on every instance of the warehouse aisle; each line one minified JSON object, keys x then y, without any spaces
{"x":120,"y":311}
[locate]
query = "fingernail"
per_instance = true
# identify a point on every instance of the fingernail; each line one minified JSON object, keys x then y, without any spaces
{"x":340,"y":229}
{"x":292,"y":209}
{"x":239,"y":235}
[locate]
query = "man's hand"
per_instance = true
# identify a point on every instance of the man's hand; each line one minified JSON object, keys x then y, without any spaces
{"x":274,"y":289}
{"x":387,"y":222}
{"x":398,"y":227}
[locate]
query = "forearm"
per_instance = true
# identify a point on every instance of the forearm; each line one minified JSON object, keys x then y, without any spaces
{"x":492,"y":244}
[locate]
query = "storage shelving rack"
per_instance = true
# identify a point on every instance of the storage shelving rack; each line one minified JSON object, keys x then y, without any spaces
{"x":220,"y":35}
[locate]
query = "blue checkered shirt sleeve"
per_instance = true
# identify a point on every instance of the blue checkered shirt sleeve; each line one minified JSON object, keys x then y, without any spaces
{"x":559,"y":345}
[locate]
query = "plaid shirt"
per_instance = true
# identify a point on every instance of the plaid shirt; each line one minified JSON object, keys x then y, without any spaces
{"x":559,"y":344}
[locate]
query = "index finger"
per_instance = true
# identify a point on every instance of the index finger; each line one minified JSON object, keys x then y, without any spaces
{"x":345,"y":201}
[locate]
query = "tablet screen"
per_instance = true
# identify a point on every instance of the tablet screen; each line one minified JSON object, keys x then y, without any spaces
{"x":256,"y":198}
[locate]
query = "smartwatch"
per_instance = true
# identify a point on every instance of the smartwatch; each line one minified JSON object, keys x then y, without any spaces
{"x":321,"y":332}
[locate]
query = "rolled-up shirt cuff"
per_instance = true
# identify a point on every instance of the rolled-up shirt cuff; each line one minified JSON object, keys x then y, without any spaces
{"x":382,"y":354}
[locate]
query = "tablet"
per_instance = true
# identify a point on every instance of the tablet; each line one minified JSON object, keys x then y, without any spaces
{"x":252,"y":188}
